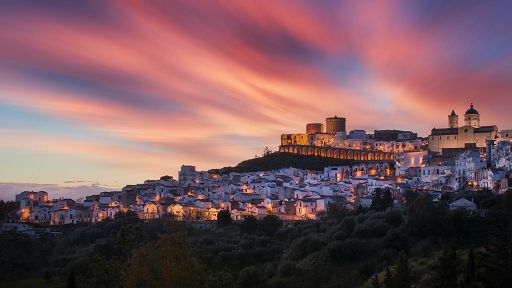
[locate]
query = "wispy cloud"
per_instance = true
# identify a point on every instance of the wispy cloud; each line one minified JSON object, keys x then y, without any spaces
{"x":138,"y":88}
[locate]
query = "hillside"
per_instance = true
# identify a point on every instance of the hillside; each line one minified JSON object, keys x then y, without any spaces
{"x":423,"y":245}
{"x":278,"y":160}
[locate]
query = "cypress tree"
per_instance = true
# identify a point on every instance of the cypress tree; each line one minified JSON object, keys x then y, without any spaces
{"x":387,"y":200}
{"x":377,"y":200}
{"x":71,"y":281}
{"x":470,"y":272}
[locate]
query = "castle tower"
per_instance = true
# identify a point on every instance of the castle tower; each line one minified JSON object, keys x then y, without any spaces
{"x":453,"y":120}
{"x":472,"y":117}
{"x":335,"y":124}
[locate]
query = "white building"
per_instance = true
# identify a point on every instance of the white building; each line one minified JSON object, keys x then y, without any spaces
{"x":466,"y":166}
{"x":462,"y":204}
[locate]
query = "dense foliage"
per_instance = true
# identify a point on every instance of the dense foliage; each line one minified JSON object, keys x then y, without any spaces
{"x":424,"y":245}
{"x":278,"y":160}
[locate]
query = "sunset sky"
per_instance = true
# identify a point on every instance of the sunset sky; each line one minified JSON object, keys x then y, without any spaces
{"x":113,"y":93}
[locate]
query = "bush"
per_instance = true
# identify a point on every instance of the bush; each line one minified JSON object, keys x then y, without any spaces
{"x":287,"y":269}
{"x":350,"y":249}
{"x":369,"y":229}
{"x":301,"y":247}
{"x":224,"y":218}
{"x":394,"y":217}
{"x":249,"y":225}
{"x":269,"y":225}
{"x":249,"y":277}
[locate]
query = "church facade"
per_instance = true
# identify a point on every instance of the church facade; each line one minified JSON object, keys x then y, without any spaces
{"x":471,"y":134}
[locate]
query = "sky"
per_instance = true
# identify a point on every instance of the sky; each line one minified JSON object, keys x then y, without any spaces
{"x":117,"y":92}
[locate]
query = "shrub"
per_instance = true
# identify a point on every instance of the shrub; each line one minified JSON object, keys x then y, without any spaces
{"x":249,"y":225}
{"x":224,"y":218}
{"x":269,"y":225}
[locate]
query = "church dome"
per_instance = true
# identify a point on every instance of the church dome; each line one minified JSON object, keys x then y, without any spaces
{"x":472,"y":110}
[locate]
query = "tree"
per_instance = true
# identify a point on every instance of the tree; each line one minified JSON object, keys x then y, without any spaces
{"x":375,"y":281}
{"x":129,"y":216}
{"x":403,"y":278}
{"x":250,"y":277}
{"x":381,"y":199}
{"x":410,"y":197}
{"x":388,"y":278}
{"x":445,"y":270}
{"x":423,"y":217}
{"x":129,"y":237}
{"x":249,"y":225}
{"x":166,"y":262}
{"x":387,"y":200}
{"x":97,"y":271}
{"x":6,"y":208}
{"x":269,"y":225}
{"x":71,"y":281}
{"x":501,"y":241}
{"x":266,"y":151}
{"x":394,"y":217}
{"x":224,"y":218}
{"x":469,"y":273}
{"x":376,"y":200}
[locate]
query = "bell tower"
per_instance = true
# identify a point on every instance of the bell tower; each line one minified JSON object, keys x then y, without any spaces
{"x":453,"y":120}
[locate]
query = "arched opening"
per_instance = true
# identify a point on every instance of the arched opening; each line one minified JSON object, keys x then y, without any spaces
{"x":317,"y":151}
{"x":336,"y":154}
{"x":357,"y":155}
{"x":350,"y":155}
{"x":329,"y":153}
{"x":370,"y":156}
{"x":311,"y":151}
{"x":364,"y":156}
{"x":296,"y":151}
{"x":343,"y":155}
{"x":323,"y":153}
{"x":304,"y":151}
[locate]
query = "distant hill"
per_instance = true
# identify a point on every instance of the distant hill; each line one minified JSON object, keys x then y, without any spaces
{"x":278,"y":160}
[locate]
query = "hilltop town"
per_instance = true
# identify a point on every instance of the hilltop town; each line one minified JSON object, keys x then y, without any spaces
{"x":387,"y":162}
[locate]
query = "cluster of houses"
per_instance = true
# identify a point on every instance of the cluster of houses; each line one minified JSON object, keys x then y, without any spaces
{"x":290,"y":193}
{"x":470,"y":168}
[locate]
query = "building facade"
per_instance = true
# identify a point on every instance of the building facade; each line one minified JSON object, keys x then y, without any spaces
{"x":471,"y":134}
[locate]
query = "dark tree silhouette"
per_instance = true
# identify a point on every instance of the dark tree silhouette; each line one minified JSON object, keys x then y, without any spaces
{"x":249,"y":225}
{"x":445,"y":270}
{"x":403,"y":277}
{"x":224,"y":218}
